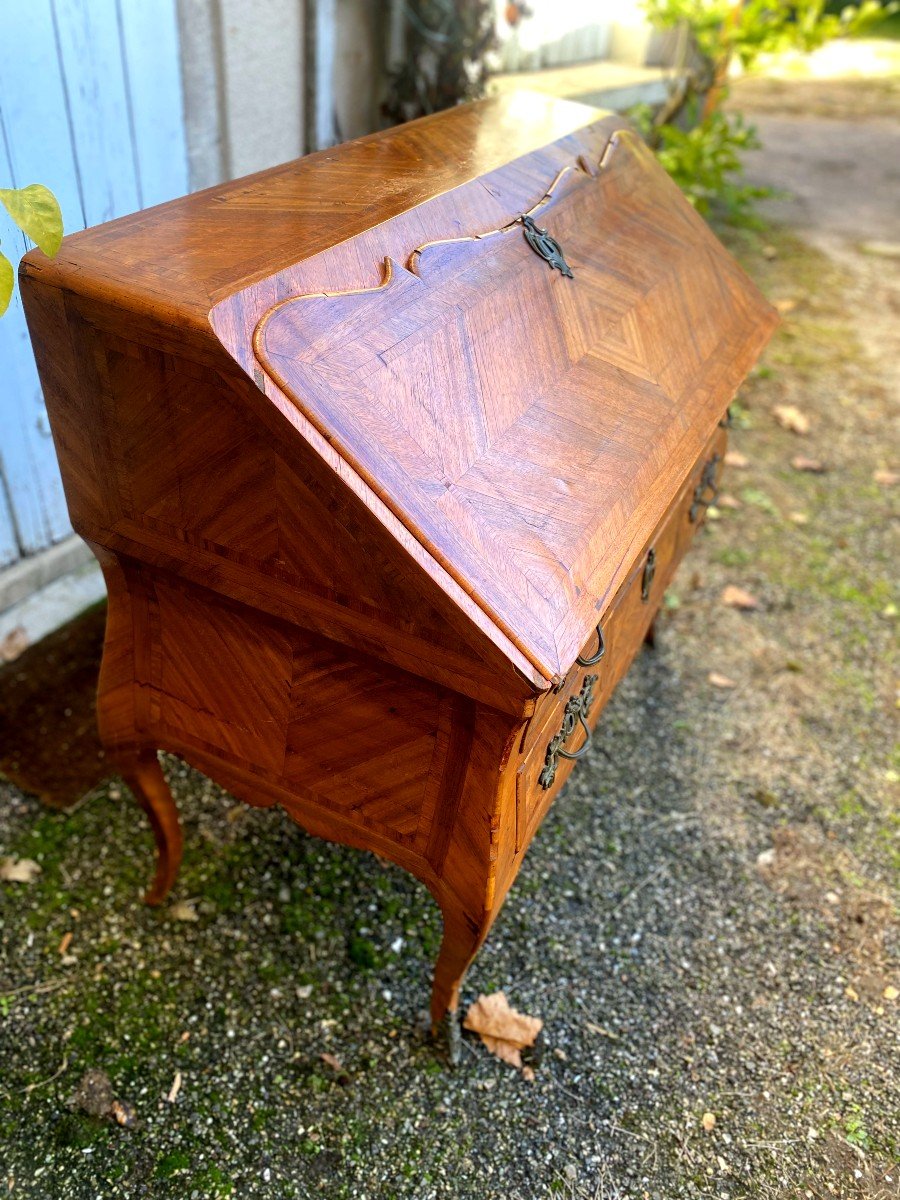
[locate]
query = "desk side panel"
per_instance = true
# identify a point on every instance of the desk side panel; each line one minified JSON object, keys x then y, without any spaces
{"x":165,"y":460}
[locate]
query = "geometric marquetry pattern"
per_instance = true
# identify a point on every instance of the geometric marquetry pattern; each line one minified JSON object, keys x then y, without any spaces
{"x":340,"y":729}
{"x":361,"y":740}
{"x":351,"y":532}
{"x":519,"y":420}
{"x":174,"y":439}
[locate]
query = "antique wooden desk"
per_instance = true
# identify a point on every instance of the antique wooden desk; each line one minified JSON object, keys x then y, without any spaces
{"x":386,"y":482}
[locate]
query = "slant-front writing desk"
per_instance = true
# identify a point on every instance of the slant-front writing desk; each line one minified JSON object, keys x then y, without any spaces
{"x":389,"y":455}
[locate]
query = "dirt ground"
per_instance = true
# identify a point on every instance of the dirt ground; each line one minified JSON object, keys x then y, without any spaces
{"x":707,"y":921}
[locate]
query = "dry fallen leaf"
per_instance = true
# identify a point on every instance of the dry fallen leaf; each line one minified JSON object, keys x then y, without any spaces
{"x":183,"y":910}
{"x":799,"y":518}
{"x":785,"y":305}
{"x":65,"y":943}
{"x":331,"y":1060}
{"x":881,"y":249}
{"x":175,"y":1088}
{"x":709,"y":1121}
{"x":725,"y":500}
{"x":22,"y":870}
{"x":814,"y":466}
{"x":886,"y":478}
{"x":720,"y":681}
{"x":734,"y":458}
{"x":592,"y":1028}
{"x":735,"y":597}
{"x":890,"y":992}
{"x":790,"y":417}
{"x":15,"y":642}
{"x":504,"y":1031}
{"x":123,"y":1114}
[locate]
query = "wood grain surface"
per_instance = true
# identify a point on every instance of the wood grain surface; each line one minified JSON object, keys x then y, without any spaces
{"x":366,"y":476}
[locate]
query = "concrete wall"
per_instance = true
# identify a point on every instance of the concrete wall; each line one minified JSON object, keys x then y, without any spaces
{"x":247,"y":67}
{"x":242,"y":71}
{"x":360,"y":77}
{"x":268,"y":80}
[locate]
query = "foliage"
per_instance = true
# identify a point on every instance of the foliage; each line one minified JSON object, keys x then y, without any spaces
{"x":723,"y":30}
{"x":37,"y":213}
{"x":704,"y":159}
{"x":444,"y":61}
{"x":698,"y":143}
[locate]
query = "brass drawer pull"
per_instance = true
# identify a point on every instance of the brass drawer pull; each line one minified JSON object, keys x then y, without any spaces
{"x":575,"y":713}
{"x":649,"y":572}
{"x":707,"y":484}
{"x":595,"y":658}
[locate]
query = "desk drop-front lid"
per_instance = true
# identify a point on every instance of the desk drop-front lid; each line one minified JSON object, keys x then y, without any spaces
{"x":523,"y":370}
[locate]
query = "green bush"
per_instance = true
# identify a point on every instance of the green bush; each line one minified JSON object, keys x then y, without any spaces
{"x":699,"y":144}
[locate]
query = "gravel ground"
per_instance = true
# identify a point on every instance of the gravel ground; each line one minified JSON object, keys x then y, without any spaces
{"x":706,"y":921}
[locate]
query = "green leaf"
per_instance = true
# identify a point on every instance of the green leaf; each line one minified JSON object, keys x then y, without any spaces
{"x":36,"y":212}
{"x":7,"y":283}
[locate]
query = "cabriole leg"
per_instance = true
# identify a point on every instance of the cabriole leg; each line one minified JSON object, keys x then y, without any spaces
{"x":145,"y":778}
{"x":459,"y":946}
{"x":122,"y":723}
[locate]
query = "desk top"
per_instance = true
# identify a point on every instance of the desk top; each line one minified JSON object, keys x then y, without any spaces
{"x":504,"y":323}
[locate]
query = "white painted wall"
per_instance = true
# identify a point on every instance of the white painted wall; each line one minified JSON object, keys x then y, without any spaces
{"x":242,"y":72}
{"x":560,"y":32}
{"x":557,"y":32}
{"x":361,"y":37}
{"x":248,"y":100}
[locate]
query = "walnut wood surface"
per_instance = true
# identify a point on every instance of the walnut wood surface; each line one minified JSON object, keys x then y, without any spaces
{"x":353,"y":543}
{"x":527,"y":427}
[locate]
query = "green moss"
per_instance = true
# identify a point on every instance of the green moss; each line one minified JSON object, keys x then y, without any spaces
{"x":212,"y":1183}
{"x":734,"y":556}
{"x":172,"y":1163}
{"x":261,"y":1119}
{"x":758,"y":499}
{"x":850,"y":805}
{"x":77,"y":1131}
{"x":49,"y":839}
{"x":363,"y":952}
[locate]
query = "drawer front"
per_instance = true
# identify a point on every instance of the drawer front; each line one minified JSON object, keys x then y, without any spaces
{"x":562,"y":723}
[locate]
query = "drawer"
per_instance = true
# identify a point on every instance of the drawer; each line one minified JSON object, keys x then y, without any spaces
{"x":562,"y":721}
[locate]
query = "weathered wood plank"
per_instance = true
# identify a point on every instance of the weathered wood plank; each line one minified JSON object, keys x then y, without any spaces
{"x":90,"y":104}
{"x":35,"y":147}
{"x":98,"y":107}
{"x":149,"y":33}
{"x":9,"y":545}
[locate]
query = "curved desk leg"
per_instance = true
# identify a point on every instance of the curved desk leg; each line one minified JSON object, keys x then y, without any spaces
{"x":459,"y":946}
{"x":123,"y":725}
{"x":145,"y":778}
{"x":476,"y":864}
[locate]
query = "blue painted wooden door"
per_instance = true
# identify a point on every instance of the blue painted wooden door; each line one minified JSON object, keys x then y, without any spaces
{"x":91,"y":106}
